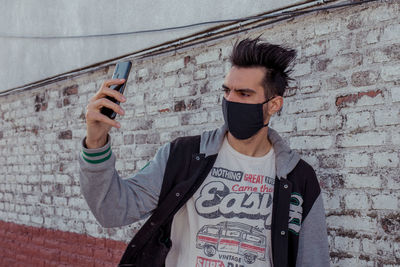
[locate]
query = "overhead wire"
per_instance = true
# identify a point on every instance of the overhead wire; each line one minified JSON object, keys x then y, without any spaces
{"x":256,"y":17}
{"x":279,"y":17}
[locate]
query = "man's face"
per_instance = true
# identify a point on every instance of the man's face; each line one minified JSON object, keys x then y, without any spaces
{"x":244,"y":85}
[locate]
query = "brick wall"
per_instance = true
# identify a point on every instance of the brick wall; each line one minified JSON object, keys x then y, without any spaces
{"x":22,"y":245}
{"x":341,"y":114}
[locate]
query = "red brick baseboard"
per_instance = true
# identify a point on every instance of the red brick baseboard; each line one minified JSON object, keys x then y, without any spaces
{"x":22,"y":245}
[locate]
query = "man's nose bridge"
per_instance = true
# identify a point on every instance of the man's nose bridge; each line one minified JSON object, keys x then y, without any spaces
{"x":232,"y":96}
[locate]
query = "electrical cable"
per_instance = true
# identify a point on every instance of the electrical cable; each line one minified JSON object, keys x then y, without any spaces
{"x":257,"y":17}
{"x":288,"y":16}
{"x":281,"y":16}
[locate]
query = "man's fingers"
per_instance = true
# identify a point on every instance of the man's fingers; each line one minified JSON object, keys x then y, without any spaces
{"x":105,"y":91}
{"x":104,"y":102}
{"x":110,"y":82}
{"x":97,"y":116}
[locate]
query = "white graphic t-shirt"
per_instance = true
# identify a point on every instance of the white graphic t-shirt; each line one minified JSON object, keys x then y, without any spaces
{"x":227,"y":222}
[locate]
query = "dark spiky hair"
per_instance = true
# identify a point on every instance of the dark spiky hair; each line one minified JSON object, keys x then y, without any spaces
{"x":276,"y":59}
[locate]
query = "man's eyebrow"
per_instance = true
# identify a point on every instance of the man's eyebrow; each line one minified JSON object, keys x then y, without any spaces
{"x":245,"y":90}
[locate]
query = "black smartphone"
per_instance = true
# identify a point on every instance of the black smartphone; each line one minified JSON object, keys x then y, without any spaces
{"x":121,"y":71}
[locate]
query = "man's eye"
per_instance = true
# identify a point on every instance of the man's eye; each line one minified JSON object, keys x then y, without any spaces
{"x":244,"y":94}
{"x":226,"y":90}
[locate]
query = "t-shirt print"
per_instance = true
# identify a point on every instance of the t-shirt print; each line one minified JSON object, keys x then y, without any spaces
{"x":227,"y":222}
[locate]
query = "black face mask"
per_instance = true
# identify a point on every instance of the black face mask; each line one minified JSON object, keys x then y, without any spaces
{"x":243,"y":120}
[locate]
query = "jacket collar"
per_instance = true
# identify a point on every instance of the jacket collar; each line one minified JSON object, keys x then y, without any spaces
{"x":286,"y":158}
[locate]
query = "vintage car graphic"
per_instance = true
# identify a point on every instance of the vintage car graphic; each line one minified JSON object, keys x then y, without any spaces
{"x":238,"y":238}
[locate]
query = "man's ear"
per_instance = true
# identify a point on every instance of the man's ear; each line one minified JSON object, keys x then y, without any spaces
{"x":274,"y":105}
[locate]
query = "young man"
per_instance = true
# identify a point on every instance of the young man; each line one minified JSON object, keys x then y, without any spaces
{"x":235,"y":196}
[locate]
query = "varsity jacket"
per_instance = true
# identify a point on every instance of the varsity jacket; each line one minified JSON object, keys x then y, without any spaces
{"x":162,"y":187}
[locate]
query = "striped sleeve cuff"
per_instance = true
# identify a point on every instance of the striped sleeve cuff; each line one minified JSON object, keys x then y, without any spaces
{"x":96,"y":155}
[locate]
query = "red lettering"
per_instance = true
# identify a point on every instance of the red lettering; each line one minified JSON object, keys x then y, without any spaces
{"x":204,"y":262}
{"x":254,"y":178}
{"x":265,"y":189}
{"x":243,"y":188}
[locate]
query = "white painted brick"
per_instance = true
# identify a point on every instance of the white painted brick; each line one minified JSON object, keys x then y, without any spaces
{"x":210,"y":101}
{"x":307,"y":124}
{"x":37,"y":219}
{"x":165,"y":122}
{"x":358,"y":120}
{"x":309,"y":86}
{"x":227,"y":67}
{"x":301,"y":69}
{"x":136,"y":99}
{"x":25,"y":218}
{"x":314,"y":49}
{"x":216,"y":71}
{"x":47,"y":178}
{"x":362,"y":139}
{"x":140,"y":111}
{"x":76,"y":190}
{"x":226,"y":51}
{"x":76,"y":202}
{"x":216,"y":116}
{"x":32,"y":198}
{"x":391,"y":32}
{"x":331,"y":202}
{"x":370,"y":101}
{"x":384,"y":248}
{"x":326,"y":27}
{"x":185,"y":78}
{"x":173,"y":65}
{"x":330,"y":122}
{"x":170,"y":81}
{"x":12,"y":216}
{"x":382,"y":13}
{"x":47,"y":200}
{"x":152,"y":109}
{"x":311,"y":142}
{"x":160,"y":95}
{"x":143,"y":73}
{"x":378,"y":56}
{"x":60,"y":201}
{"x":282,"y":124}
{"x":372,"y":36}
{"x":356,"y":200}
{"x":354,"y":160}
{"x":396,"y":248}
{"x":352,"y":262}
{"x":91,"y":228}
{"x":385,"y":202}
{"x":83,"y":215}
{"x":395,"y":92}
{"x":396,"y":138}
{"x":22,"y":179}
{"x":199,"y":75}
{"x":352,"y":223}
{"x":198,"y":118}
{"x":48,"y":211}
{"x":387,"y":117}
{"x":306,"y":105}
{"x":386,"y":159}
{"x":184,"y":91}
{"x":390,"y":73}
{"x":347,"y":244}
{"x":165,"y":137}
{"x":369,"y":246}
{"x":207,"y":57}
{"x":362,"y":181}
